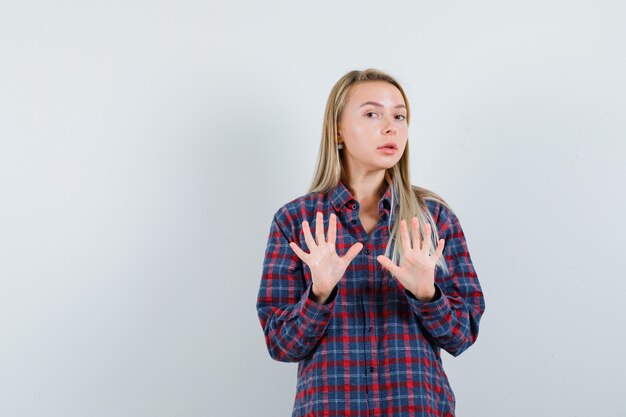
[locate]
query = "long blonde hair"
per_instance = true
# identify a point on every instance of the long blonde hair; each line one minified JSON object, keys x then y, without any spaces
{"x":330,"y":170}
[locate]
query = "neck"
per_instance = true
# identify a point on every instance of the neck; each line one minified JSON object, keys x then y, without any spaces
{"x":368,"y":188}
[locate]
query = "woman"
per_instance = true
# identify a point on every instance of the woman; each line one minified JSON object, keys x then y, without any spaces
{"x":365,"y":295}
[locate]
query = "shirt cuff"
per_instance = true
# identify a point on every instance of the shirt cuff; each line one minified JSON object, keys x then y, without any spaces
{"x":435,"y":309}
{"x":316,"y":316}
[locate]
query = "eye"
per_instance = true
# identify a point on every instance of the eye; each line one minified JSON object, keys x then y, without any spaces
{"x":401,"y":117}
{"x":370,"y":113}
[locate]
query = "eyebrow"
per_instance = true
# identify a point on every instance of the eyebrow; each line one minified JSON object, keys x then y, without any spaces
{"x":373,"y":103}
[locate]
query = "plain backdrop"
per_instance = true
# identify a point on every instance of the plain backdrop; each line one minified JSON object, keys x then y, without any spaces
{"x":145,"y":146}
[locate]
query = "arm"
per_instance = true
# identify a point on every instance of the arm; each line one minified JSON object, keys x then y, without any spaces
{"x":452,"y":317}
{"x":292,"y":321}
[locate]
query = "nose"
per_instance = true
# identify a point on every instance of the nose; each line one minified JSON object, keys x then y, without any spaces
{"x":389,"y":127}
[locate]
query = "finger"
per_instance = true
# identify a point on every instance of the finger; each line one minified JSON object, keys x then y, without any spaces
{"x":332,"y":230}
{"x":439,"y":250}
{"x":417,"y":241}
{"x":388,"y":264}
{"x":404,"y":234}
{"x":308,"y":237}
{"x":353,"y":252}
{"x":319,"y":228}
{"x":301,"y":254}
{"x":426,"y":245}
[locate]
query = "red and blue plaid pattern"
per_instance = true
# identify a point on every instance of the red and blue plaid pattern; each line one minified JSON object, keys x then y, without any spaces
{"x":373,"y":349}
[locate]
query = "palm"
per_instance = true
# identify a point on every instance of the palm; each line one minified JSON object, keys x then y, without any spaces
{"x":417,"y":270}
{"x":326,"y":266}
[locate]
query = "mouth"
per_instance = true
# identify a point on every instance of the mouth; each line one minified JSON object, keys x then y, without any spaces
{"x":389,"y":145}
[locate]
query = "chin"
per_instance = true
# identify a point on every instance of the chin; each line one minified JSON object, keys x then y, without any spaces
{"x":387,"y":166}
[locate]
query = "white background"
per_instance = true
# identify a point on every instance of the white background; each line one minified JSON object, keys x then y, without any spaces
{"x":145,"y":146}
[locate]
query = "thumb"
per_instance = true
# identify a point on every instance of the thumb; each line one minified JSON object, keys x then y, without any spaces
{"x":353,"y":252}
{"x":388,"y":264}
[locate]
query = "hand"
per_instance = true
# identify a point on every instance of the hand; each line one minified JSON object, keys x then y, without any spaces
{"x":417,"y":272}
{"x":326,"y":266}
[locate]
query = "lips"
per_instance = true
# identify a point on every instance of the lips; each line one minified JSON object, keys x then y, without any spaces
{"x":390,"y":145}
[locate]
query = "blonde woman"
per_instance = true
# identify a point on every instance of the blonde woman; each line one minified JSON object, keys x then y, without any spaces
{"x":367,"y":277}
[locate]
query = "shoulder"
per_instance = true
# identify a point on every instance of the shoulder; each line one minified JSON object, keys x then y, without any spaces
{"x":290,"y":215}
{"x":438,"y":207}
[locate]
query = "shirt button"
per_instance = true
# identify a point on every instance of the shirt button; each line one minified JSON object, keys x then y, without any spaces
{"x":369,"y":330}
{"x":367,"y":251}
{"x":353,"y":221}
{"x":354,"y":207}
{"x":367,"y":288}
{"x":371,"y":369}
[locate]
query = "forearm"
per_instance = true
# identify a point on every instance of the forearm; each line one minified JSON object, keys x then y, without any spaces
{"x":451,"y":322}
{"x":292,"y":332}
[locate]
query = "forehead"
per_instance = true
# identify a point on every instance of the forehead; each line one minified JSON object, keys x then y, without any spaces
{"x":378,"y":91}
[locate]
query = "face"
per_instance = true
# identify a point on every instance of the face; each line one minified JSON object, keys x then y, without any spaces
{"x":374,"y":115}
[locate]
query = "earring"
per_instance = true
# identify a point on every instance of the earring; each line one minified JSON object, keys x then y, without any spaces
{"x":340,"y":146}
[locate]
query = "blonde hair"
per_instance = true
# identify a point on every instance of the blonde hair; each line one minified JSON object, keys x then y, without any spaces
{"x":329,"y":169}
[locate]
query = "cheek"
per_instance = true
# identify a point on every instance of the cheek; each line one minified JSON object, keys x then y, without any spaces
{"x":356,"y":134}
{"x":366,"y":129}
{"x":404,"y":134}
{"x":360,"y":133}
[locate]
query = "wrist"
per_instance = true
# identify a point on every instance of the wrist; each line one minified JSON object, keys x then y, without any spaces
{"x":319,"y":296}
{"x":425,"y":295}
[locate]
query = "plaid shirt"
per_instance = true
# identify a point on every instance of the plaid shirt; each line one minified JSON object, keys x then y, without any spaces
{"x":372,"y":349}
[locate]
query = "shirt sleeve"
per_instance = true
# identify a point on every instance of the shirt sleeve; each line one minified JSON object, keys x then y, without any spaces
{"x":453,"y":316}
{"x":292,"y":321}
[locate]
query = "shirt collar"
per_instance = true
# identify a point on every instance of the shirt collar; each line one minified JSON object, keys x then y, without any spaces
{"x":340,"y":197}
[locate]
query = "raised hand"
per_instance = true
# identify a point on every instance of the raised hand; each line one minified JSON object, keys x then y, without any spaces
{"x":326,"y":266}
{"x":417,"y":272}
